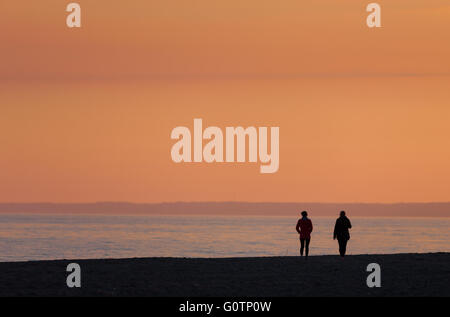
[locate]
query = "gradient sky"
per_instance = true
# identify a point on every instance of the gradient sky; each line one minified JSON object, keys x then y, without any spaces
{"x":86,"y":114}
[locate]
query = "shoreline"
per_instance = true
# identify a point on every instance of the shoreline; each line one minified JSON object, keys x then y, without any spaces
{"x":405,"y":274}
{"x":220,"y":258}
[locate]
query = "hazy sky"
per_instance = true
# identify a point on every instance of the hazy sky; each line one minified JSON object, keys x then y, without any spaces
{"x":86,"y":114}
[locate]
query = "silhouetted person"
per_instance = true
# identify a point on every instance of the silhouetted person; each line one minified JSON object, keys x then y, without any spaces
{"x":341,"y":232}
{"x":304,"y":228}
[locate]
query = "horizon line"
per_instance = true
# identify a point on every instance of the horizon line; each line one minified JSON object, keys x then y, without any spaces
{"x":217,"y":76}
{"x":227,"y":201}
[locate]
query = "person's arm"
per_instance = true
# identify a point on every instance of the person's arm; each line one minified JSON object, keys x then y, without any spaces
{"x":311,"y":229}
{"x":349,"y":224}
{"x":298,"y":227}
{"x":335,"y":231}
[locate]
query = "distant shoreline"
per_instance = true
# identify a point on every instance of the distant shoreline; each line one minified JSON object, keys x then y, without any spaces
{"x":438,"y":209}
{"x":328,"y":275}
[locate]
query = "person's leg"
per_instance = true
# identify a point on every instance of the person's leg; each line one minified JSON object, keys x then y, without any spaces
{"x":302,"y":246}
{"x":307,"y":247}
{"x":344,"y":247}
{"x":341,"y":247}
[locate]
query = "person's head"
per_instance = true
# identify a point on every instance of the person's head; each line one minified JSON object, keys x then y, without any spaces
{"x":304,"y":213}
{"x":342,"y":213}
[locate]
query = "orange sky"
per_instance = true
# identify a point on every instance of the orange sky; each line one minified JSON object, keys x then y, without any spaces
{"x":87,"y":114}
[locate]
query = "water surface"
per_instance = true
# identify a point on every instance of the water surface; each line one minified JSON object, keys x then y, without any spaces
{"x":50,"y":236}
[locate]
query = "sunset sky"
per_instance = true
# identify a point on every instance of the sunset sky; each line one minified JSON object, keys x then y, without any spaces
{"x":86,"y":114}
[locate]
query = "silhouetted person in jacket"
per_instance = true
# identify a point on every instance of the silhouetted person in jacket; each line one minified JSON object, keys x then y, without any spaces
{"x":341,"y":232}
{"x":304,"y":228}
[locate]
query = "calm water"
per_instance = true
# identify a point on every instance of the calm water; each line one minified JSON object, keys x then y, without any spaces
{"x":33,"y":237}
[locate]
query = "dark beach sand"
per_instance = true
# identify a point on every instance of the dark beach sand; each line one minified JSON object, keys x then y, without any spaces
{"x":402,"y":275}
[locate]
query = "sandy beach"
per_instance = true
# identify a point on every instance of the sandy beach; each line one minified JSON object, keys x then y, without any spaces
{"x":401,"y":275}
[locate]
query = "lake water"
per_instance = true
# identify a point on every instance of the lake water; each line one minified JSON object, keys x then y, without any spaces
{"x":50,"y":236}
